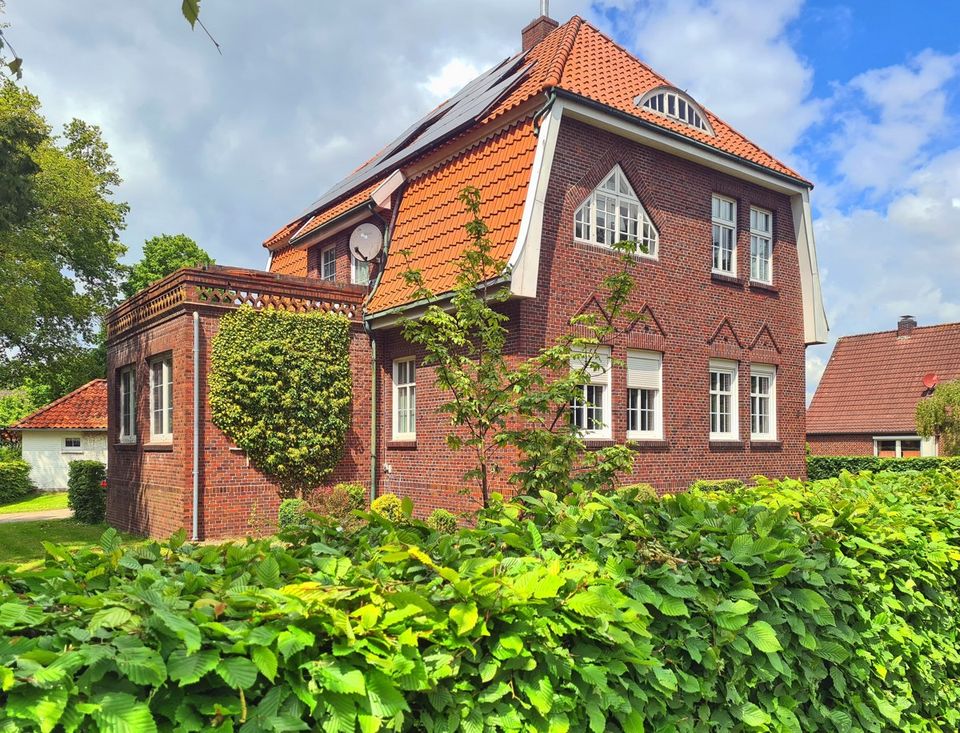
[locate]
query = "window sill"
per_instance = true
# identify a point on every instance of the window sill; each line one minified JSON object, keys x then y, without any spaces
{"x":766,"y":444}
{"x":648,"y":444}
{"x":766,"y":287}
{"x":125,"y":445}
{"x":401,"y":445}
{"x":158,"y":447}
{"x":638,"y":256}
{"x":73,"y":452}
{"x":598,"y":443}
{"x":720,"y":444}
{"x":725,"y":279}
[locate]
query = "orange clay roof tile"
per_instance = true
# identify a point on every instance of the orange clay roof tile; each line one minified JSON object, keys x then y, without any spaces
{"x":83,"y":409}
{"x":873,"y":381}
{"x":289,"y":261}
{"x":431,"y":220}
{"x":341,"y":207}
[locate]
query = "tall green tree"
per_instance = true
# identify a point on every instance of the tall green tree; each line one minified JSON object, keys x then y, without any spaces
{"x":938,"y":416}
{"x":59,"y":240}
{"x":162,"y":255}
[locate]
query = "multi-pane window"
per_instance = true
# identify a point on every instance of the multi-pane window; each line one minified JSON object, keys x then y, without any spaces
{"x":128,"y":405}
{"x":360,"y":272}
{"x":161,"y":399}
{"x":763,"y":402}
{"x":644,"y":379}
{"x":590,"y":410}
{"x":72,"y":445}
{"x":328,"y":263}
{"x":404,"y":399}
{"x":761,"y":246}
{"x":723,"y":400}
{"x":724,"y":219}
{"x":674,"y":104}
{"x":906,"y":447}
{"x":613,"y":214}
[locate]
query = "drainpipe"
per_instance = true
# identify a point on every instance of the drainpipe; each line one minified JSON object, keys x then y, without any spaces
{"x":196,"y":425}
{"x":373,"y":411}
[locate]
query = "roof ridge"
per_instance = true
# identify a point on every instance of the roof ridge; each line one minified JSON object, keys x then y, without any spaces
{"x":59,"y":400}
{"x":559,"y":62}
{"x":894,"y":330}
{"x":629,"y":53}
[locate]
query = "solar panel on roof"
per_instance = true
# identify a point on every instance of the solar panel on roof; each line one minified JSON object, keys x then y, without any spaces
{"x":467,"y":106}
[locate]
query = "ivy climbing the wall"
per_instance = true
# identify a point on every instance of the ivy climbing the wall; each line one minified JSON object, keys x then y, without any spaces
{"x":280,"y":388}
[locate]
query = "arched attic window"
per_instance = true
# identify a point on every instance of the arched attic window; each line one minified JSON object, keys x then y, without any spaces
{"x":671,"y":102}
{"x":612,"y":213}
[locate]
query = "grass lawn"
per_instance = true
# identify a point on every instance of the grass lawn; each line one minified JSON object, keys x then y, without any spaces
{"x":20,"y":541}
{"x":37,"y":502}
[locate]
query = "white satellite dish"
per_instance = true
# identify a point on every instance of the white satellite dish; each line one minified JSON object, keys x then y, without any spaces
{"x":366,"y":241}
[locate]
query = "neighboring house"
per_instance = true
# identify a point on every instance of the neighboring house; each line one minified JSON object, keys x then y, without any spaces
{"x":866,"y":401}
{"x":574,"y":145}
{"x":72,"y":428}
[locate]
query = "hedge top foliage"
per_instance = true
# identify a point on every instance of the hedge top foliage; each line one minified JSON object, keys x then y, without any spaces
{"x":821,"y":467}
{"x":281,"y":389}
{"x":784,"y":607}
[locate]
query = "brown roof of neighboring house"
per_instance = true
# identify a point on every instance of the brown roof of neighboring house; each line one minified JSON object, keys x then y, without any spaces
{"x":873,"y":381}
{"x":83,"y":409}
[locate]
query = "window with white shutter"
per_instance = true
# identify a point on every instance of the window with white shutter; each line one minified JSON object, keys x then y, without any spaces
{"x":590,"y":411}
{"x":644,"y":388}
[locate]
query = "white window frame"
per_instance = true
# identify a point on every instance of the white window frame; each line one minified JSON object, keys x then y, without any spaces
{"x":585,"y":218}
{"x":408,"y":387}
{"x":718,"y":222}
{"x":597,"y":376}
{"x":78,"y":448}
{"x":128,"y":375}
{"x":761,"y":371}
{"x":678,"y":106}
{"x":355,"y":265}
{"x":732,"y":369}
{"x":928,"y":446}
{"x":759,"y":235}
{"x":643,"y":379}
{"x":332,"y":249}
{"x":165,"y":412}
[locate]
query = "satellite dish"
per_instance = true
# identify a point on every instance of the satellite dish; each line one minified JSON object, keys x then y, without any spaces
{"x":930,"y":380}
{"x":366,"y":241}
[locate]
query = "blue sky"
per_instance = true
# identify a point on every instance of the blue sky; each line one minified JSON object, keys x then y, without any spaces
{"x":860,"y":97}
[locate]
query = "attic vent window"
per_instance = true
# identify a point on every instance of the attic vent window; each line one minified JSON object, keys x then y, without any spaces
{"x":674,"y":103}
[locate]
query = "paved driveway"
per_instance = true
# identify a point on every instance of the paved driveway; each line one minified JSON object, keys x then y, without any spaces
{"x":36,"y":516}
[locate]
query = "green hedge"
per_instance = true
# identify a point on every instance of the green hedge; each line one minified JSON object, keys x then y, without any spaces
{"x":781,"y":607}
{"x":15,"y":480}
{"x":821,"y":467}
{"x":86,"y":494}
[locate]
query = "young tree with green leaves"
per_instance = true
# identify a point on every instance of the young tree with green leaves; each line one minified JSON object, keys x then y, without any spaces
{"x":162,"y":255}
{"x":938,"y":416}
{"x":498,"y":400}
{"x":59,"y":240}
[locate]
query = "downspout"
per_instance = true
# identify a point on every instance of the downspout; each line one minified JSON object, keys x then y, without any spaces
{"x":196,"y":425}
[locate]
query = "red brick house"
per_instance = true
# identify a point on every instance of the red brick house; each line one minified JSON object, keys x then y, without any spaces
{"x":866,"y":401}
{"x":574,"y":144}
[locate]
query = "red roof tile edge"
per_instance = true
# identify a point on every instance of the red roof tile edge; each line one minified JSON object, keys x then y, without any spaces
{"x":24,"y":423}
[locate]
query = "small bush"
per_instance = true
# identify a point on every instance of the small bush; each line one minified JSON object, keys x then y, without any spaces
{"x":15,"y":480}
{"x":10,"y":452}
{"x":291,"y":514}
{"x":390,"y":507}
{"x":722,"y":484}
{"x":641,"y":491}
{"x":442,"y":521}
{"x":357,"y":494}
{"x":85,"y":492}
{"x":821,"y":467}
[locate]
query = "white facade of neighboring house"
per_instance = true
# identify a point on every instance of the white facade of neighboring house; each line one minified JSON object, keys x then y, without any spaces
{"x":72,"y":428}
{"x":49,"y":453}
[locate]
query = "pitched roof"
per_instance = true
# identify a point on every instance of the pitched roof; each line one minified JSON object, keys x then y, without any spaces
{"x":83,"y":409}
{"x":873,"y":381}
{"x":575,"y":58}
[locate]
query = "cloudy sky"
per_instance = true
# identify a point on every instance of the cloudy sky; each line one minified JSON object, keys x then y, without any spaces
{"x":861,"y":97}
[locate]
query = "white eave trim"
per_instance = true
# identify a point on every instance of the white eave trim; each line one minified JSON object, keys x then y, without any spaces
{"x":382,"y":194}
{"x":525,"y":260}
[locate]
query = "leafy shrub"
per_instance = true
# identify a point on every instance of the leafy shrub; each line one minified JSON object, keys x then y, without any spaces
{"x":780,"y":607}
{"x":10,"y":452}
{"x":442,"y":521}
{"x":281,"y":389}
{"x":15,"y":480}
{"x":821,"y":467}
{"x":723,"y":484}
{"x":357,"y":494}
{"x":644,"y":491}
{"x":391,"y":508}
{"x":292,"y":513}
{"x":85,"y":492}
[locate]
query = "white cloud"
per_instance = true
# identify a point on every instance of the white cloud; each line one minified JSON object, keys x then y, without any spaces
{"x":815,"y":367}
{"x":450,"y":79}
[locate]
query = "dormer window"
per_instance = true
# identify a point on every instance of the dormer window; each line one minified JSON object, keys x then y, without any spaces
{"x":673,"y":103}
{"x":613,"y":214}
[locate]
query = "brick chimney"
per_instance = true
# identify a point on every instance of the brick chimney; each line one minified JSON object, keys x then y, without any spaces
{"x":539,"y":28}
{"x":905,"y":326}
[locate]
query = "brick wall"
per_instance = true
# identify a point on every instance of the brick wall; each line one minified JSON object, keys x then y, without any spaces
{"x":692,"y":317}
{"x":151,"y":487}
{"x":838,"y":444}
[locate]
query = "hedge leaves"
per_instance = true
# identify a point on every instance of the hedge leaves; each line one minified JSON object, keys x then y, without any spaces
{"x":280,"y":388}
